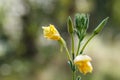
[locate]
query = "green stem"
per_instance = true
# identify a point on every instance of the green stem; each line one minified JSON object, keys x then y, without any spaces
{"x":68,"y":54}
{"x":78,"y":48}
{"x":72,"y":37}
{"x":65,"y":46}
{"x":73,"y":75}
{"x":87,"y":42}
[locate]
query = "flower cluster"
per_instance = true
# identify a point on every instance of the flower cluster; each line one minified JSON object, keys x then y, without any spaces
{"x":76,"y":59}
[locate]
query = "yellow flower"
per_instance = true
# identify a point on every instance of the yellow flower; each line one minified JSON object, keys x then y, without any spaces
{"x":83,"y":63}
{"x":51,"y":32}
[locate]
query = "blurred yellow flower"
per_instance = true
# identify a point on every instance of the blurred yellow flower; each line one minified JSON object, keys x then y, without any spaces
{"x":83,"y":63}
{"x":50,"y":32}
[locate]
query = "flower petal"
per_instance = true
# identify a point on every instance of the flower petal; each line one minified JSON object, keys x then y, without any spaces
{"x":51,"y":32}
{"x":83,"y":63}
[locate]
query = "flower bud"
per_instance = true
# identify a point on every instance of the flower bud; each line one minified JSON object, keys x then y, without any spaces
{"x":77,"y":22}
{"x":70,"y":25}
{"x":100,"y":26}
{"x":81,"y":21}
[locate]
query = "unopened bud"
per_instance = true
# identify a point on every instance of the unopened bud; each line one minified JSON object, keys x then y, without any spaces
{"x":100,"y":26}
{"x":81,"y":21}
{"x":70,"y":25}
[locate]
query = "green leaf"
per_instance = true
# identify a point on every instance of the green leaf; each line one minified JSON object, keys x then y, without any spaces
{"x":78,"y":78}
{"x":70,"y":64}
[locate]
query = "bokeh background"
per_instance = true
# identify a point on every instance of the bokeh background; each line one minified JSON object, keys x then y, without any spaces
{"x":26,"y":55}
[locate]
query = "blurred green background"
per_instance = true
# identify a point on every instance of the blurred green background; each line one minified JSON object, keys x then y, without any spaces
{"x":26,"y":55}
